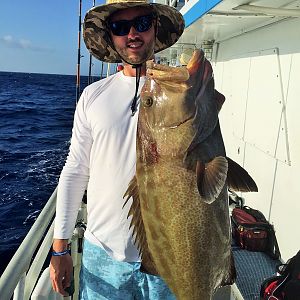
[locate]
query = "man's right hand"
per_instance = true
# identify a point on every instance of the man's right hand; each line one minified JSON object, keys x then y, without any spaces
{"x":61,"y":268}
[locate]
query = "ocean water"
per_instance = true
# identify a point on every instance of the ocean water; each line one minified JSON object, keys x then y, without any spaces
{"x":36,"y":116}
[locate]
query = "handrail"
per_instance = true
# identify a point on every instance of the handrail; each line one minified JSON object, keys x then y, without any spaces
{"x":277,"y":12}
{"x":20,"y":262}
{"x":37,"y":264}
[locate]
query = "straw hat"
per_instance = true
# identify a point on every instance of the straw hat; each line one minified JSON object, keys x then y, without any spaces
{"x":170,"y":26}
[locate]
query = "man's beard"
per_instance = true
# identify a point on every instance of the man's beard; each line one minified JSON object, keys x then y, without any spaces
{"x":136,"y":58}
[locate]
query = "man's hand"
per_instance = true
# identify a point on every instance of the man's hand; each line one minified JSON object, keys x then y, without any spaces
{"x":61,"y":268}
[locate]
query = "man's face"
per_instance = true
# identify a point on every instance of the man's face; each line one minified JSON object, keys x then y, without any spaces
{"x":135,"y":47}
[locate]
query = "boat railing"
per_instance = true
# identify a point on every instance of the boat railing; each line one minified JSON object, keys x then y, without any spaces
{"x":21,"y":276}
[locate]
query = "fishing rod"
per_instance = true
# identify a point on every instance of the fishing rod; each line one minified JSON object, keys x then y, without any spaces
{"x":79,"y":55}
{"x":90,"y":63}
{"x":102,"y":65}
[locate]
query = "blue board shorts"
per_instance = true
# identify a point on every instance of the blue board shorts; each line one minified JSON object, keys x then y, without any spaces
{"x":102,"y":277}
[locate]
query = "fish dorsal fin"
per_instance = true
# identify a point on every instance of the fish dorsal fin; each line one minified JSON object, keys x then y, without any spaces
{"x":211,"y":178}
{"x":139,"y":233}
{"x":238,"y":178}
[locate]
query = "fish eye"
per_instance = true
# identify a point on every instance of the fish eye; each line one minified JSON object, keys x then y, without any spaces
{"x":148,"y":101}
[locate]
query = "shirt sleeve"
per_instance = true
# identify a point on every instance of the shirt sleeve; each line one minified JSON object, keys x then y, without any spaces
{"x":75,"y":174}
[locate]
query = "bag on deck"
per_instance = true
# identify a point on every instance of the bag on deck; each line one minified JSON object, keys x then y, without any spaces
{"x":253,"y":232}
{"x":285,"y":286}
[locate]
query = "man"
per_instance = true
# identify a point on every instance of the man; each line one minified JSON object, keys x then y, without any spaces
{"x":102,"y":154}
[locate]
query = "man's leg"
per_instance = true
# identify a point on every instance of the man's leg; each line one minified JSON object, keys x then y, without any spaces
{"x":102,"y":277}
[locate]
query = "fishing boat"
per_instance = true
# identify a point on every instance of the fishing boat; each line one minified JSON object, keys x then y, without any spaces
{"x":254,"y":48}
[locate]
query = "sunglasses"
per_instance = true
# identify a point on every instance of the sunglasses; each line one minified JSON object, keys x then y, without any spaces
{"x":140,"y":24}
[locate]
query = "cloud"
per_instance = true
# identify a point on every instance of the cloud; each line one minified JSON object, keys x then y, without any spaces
{"x":7,"y":38}
{"x":25,"y":44}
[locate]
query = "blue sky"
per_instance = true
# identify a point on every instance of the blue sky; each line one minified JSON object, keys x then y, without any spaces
{"x":40,"y":36}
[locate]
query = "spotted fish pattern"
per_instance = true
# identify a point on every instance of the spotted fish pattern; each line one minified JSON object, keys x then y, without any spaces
{"x":180,"y":207}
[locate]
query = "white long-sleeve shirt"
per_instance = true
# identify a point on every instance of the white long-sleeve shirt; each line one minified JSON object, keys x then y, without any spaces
{"x":102,"y":159}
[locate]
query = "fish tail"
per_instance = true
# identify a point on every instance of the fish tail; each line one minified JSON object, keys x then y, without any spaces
{"x":238,"y":178}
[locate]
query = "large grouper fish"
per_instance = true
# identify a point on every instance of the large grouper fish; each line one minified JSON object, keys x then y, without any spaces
{"x":179,"y":211}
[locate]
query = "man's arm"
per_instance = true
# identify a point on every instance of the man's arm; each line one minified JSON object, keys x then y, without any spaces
{"x":72,"y":184}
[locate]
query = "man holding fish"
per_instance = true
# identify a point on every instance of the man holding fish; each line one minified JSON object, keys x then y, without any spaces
{"x":162,"y":148}
{"x":103,"y":153}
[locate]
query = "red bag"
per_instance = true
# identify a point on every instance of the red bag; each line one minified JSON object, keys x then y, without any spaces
{"x":286,"y":285}
{"x":253,"y":232}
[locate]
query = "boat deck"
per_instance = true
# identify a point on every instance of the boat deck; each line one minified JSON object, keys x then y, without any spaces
{"x":252,"y":269}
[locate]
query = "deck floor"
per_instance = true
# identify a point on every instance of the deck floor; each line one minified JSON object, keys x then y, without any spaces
{"x":252,"y":269}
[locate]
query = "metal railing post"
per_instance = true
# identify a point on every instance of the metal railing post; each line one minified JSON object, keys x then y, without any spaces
{"x":20,"y":262}
{"x":37,"y":264}
{"x":108,"y":70}
{"x":19,"y":290}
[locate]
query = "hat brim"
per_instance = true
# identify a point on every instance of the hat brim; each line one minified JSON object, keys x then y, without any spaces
{"x":170,"y":26}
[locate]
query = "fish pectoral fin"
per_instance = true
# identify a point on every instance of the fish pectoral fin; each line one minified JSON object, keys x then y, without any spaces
{"x":139,"y":233}
{"x":238,"y":178}
{"x":211,"y":178}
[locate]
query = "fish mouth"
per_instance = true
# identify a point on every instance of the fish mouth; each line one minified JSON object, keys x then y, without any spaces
{"x":181,"y":123}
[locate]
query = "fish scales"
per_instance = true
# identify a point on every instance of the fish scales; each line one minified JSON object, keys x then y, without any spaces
{"x":187,"y":249}
{"x":180,"y":200}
